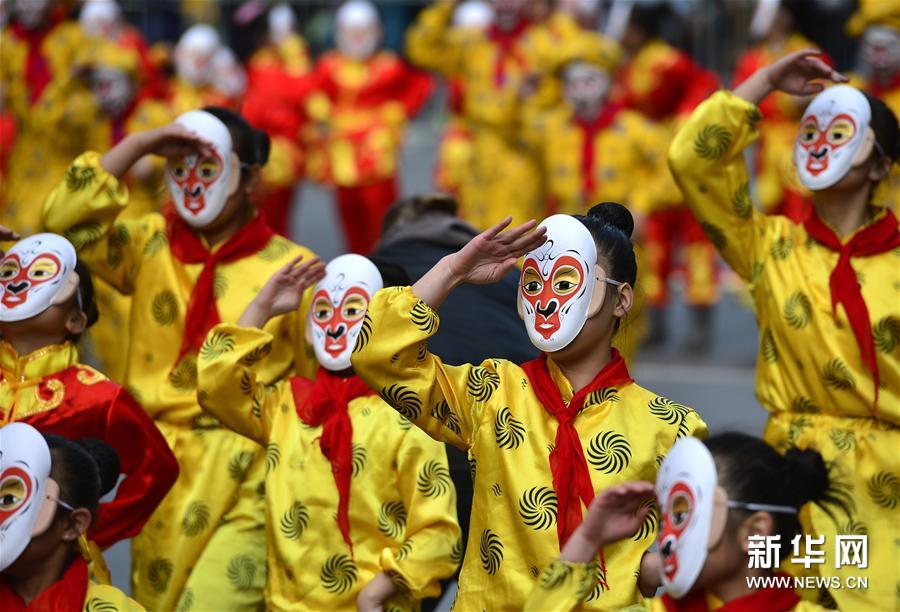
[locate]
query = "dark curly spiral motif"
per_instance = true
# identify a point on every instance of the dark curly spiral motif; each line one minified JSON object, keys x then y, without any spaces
{"x":712,"y":141}
{"x":338,"y":574}
{"x":884,"y":489}
{"x":365,"y":332}
{"x":404,"y":400}
{"x":767,"y":346}
{"x":715,"y":234}
{"x":294,"y":521}
{"x":648,"y":525}
{"x":116,"y":243}
{"x":156,"y":243}
{"x":442,"y":412}
{"x":399,"y":581}
{"x":164,"y":307}
{"x":472,"y":466}
{"x":491,"y":551}
{"x":782,"y":248}
{"x":186,"y":601}
{"x":220,"y":285}
{"x":246,"y":383}
{"x":239,"y":464}
{"x":843,"y":439}
{"x":538,"y":508}
{"x":392,"y":519}
{"x":534,"y":571}
{"x":456,"y":553}
{"x":257,"y":354}
{"x":598,"y":581}
{"x":666,"y":410}
{"x":423,"y":317}
{"x":853,"y":527}
{"x":510,"y":431}
{"x":404,"y":550}
{"x":241,"y":571}
{"x":826,"y":600}
{"x":555,"y":575}
{"x":482,"y":383}
{"x":753,"y":116}
{"x":756,"y":271}
{"x":803,"y":405}
{"x":886,"y":333}
{"x":358,"y":461}
{"x":606,"y":394}
{"x":421,"y":352}
{"x":204,"y":422}
{"x":196,"y":519}
{"x":275,"y":250}
{"x":798,"y":310}
{"x":79,"y":177}
{"x":434,"y":479}
{"x":741,"y":202}
{"x":97,"y":604}
{"x":797,"y":426}
{"x":609,"y":452}
{"x":403,"y":423}
{"x":216,"y":344}
{"x":256,"y":401}
{"x":184,"y":375}
{"x":158,"y":574}
{"x":837,"y":375}
{"x":273,"y":456}
{"x":496,"y":489}
{"x":84,"y":234}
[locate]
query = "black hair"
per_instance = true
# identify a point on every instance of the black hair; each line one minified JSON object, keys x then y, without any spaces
{"x":85,"y":469}
{"x":251,"y":145}
{"x":393,"y":275}
{"x":86,"y":293}
{"x":751,"y":471}
{"x":611,"y":225}
{"x":651,"y":17}
{"x":884,"y":124}
{"x":410,"y":208}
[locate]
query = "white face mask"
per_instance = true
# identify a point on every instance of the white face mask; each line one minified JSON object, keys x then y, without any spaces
{"x":35,"y":274}
{"x":282,"y":23}
{"x":834,"y":137}
{"x":194,"y":54}
{"x":112,"y":89}
{"x":339,"y":306}
{"x":881,"y":49}
{"x":30,"y":13}
{"x":585,"y":86}
{"x":228,"y":76}
{"x":101,"y":18}
{"x":24,"y":478}
{"x":557,"y":284}
{"x":200,"y":185}
{"x":357,"y":29}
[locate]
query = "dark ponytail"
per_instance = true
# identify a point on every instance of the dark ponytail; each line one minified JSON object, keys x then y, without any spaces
{"x":86,"y":470}
{"x":611,"y":225}
{"x":86,"y":293}
{"x":884,"y":124}
{"x":751,"y":471}
{"x":251,"y":145}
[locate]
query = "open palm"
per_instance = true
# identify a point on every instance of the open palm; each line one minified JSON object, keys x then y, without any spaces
{"x":284,"y":290}
{"x":492,"y":253}
{"x":796,"y":73}
{"x":617,"y":513}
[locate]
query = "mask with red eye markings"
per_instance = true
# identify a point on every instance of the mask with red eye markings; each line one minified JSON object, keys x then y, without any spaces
{"x":35,"y":274}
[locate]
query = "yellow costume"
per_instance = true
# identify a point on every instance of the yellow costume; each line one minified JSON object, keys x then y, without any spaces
{"x":105,"y":598}
{"x":205,"y":544}
{"x":52,"y":127}
{"x":402,"y":505}
{"x":809,"y":374}
{"x":491,"y":412}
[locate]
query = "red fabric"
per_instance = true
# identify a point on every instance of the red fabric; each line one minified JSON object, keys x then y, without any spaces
{"x":202,"y":313}
{"x":770,"y":600}
{"x":571,"y":477}
{"x":323,"y":402}
{"x":507,"y":43}
{"x":37,"y":68}
{"x":663,"y":231}
{"x":879,"y":237}
{"x":275,"y":207}
{"x":880,"y":90}
{"x":589,"y":131}
{"x":104,"y":410}
{"x":362,"y":211}
{"x":65,"y":595}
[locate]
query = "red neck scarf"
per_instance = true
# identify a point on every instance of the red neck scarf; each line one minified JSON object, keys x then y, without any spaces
{"x":506,"y":42}
{"x":324,"y":401}
{"x":770,"y":600}
{"x":65,"y":595}
{"x":37,"y":68}
{"x":589,"y":131}
{"x":877,"y":238}
{"x":202,"y":313}
{"x":571,"y":478}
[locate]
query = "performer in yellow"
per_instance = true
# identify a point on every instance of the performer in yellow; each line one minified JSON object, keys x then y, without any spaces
{"x":360,"y":507}
{"x":187,"y":270}
{"x":545,"y":436}
{"x":53,"y":107}
{"x":192,"y":85}
{"x":824,"y":292}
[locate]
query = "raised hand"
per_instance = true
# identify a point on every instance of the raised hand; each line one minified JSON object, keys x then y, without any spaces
{"x":283,"y":292}
{"x":795,"y":73}
{"x":7,"y":235}
{"x":174,"y":140}
{"x":492,"y":253}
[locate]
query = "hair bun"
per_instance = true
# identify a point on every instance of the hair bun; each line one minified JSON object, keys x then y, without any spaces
{"x":107,"y":461}
{"x":263,"y":145}
{"x":807,"y":475}
{"x":614,"y":214}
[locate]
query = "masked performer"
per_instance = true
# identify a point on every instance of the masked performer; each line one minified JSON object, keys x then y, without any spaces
{"x":199,"y":263}
{"x":824,"y":292}
{"x":192,"y":85}
{"x":366,"y":95}
{"x":50,"y":490}
{"x":544,"y":436}
{"x":47,"y":302}
{"x":714,"y":497}
{"x":336,"y":454}
{"x":52,"y":106}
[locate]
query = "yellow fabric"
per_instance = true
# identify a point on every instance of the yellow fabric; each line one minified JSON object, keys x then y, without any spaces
{"x":402,"y":502}
{"x":105,"y":598}
{"x":809,"y":372}
{"x":20,"y":376}
{"x":51,"y":132}
{"x":490,"y":411}
{"x":561,"y":587}
{"x":873,"y":12}
{"x":134,"y":256}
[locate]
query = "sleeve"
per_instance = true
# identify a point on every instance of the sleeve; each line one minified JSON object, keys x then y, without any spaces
{"x":707,"y":161}
{"x":392,"y":356}
{"x":432,"y":530}
{"x":415,"y":90}
{"x":228,"y":385}
{"x":561,"y":587}
{"x":693,"y":425}
{"x":149,"y":467}
{"x":431,"y":43}
{"x":84,"y":208}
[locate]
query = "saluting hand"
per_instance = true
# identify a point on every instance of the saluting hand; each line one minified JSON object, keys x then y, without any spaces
{"x":283,"y":292}
{"x":796,"y":73}
{"x":492,"y":253}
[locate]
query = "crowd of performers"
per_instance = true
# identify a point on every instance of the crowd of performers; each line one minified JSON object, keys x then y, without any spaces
{"x":274,"y":431}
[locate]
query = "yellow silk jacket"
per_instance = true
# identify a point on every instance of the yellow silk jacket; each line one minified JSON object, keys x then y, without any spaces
{"x":105,"y":598}
{"x":402,"y":502}
{"x":809,"y":373}
{"x":490,"y":411}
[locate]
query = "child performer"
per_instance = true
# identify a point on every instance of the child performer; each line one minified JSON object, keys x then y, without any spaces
{"x":544,"y":436}
{"x":824,"y":292}
{"x":715,"y":496}
{"x":335,"y":453}
{"x":188,"y":269}
{"x":46,"y":303}
{"x":50,"y":490}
